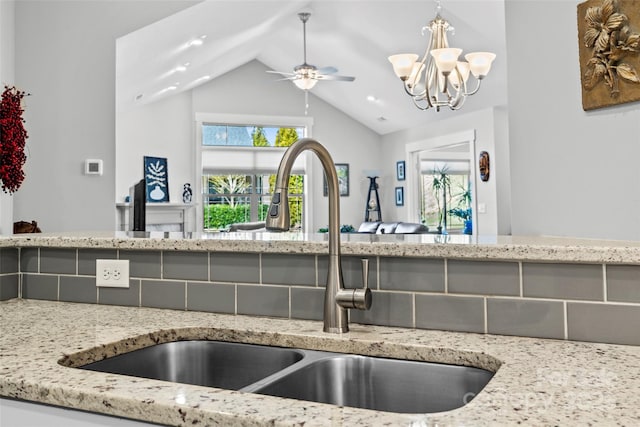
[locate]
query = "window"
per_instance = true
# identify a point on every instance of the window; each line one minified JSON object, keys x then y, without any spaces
{"x":237,"y":198}
{"x":239,"y":163}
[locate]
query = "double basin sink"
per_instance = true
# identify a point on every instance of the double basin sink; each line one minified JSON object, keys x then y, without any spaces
{"x":341,"y":379}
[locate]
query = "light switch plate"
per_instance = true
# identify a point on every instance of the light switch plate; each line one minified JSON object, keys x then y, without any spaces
{"x":113,"y":273}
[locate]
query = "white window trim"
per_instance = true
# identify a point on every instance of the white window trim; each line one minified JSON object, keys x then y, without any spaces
{"x":412,"y":170}
{"x":257,"y":120}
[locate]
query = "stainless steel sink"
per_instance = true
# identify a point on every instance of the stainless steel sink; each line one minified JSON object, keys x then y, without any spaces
{"x":349,"y":380}
{"x":381,"y":384}
{"x":208,"y":363}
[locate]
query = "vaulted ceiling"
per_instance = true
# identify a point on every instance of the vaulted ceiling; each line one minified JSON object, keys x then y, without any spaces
{"x":355,"y":36}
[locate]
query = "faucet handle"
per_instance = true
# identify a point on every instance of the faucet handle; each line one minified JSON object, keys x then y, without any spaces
{"x":357,"y":298}
{"x":365,"y":272}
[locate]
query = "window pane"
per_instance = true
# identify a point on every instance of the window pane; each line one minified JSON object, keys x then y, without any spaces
{"x":250,"y":136}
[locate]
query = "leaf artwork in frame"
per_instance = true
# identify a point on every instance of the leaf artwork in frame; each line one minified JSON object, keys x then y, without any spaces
{"x":609,"y":52}
{"x":156,"y":176}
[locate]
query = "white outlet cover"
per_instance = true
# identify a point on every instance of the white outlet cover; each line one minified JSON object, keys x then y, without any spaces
{"x":112,"y":273}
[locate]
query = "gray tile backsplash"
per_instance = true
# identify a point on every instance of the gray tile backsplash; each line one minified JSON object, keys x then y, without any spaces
{"x":450,"y":313}
{"x":212,"y":297}
{"x":263,"y":300}
{"x":40,"y":286}
{"x":456,"y":295}
{"x":484,"y":277}
{"x":623,"y":283}
{"x":185,"y":265}
{"x":78,"y":289}
{"x":29,"y":260}
{"x":143,"y":264}
{"x":60,"y":261}
{"x":289,"y":270}
{"x":529,"y":318}
{"x":307,"y":303}
{"x":563,"y":281}
{"x":163,"y":294}
{"x":9,"y":284}
{"x":121,"y":296}
{"x":608,"y":323}
{"x":9,"y":259}
{"x":412,"y":274}
{"x":235,"y":267}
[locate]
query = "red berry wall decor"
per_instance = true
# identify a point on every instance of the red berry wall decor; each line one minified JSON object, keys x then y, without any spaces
{"x":12,"y":139}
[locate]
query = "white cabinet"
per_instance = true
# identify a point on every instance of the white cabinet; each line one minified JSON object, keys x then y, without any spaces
{"x":160,"y":217}
{"x":19,"y":413}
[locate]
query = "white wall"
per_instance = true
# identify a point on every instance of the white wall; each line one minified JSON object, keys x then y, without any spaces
{"x":489,"y":137}
{"x":248,"y":90}
{"x":160,"y":129}
{"x":7,"y":76}
{"x":65,"y":57}
{"x":573,"y":173}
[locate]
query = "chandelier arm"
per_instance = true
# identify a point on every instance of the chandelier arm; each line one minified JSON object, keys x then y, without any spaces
{"x":420,"y":107}
{"x":475,"y":90}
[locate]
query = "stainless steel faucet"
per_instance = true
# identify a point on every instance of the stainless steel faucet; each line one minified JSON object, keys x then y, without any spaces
{"x":337,"y":299}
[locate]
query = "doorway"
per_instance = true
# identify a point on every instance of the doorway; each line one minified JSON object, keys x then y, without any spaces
{"x":441,"y":183}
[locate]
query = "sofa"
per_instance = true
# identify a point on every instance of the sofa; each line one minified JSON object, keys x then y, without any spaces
{"x":379,"y":227}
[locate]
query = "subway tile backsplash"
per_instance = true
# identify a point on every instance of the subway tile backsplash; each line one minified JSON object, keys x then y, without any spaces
{"x":584,"y":302}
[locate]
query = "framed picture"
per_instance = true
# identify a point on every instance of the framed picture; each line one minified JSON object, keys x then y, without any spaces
{"x":342,"y":169}
{"x":400,"y":170}
{"x":156,"y":178}
{"x":399,"y":196}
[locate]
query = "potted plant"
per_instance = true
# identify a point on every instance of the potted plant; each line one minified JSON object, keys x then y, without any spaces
{"x":463,"y":211}
{"x":440,"y":186}
{"x":465,"y":215}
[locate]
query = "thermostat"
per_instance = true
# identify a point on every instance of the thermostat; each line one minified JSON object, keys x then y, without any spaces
{"x":93,"y":167}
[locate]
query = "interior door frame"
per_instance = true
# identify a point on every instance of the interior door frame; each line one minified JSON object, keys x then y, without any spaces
{"x":412,"y":170}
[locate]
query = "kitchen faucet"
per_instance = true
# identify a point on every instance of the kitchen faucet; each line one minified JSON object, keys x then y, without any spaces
{"x":337,"y":299}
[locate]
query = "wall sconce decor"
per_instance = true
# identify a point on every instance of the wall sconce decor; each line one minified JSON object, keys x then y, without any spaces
{"x":484,"y":166}
{"x":609,"y":48}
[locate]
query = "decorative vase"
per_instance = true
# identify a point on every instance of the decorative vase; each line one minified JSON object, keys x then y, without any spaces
{"x":468,"y":227}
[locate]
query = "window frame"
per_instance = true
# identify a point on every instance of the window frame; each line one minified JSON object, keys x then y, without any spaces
{"x":249,"y":120}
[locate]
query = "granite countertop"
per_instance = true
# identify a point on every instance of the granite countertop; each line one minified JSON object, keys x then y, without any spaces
{"x":538,"y":382}
{"x":510,"y":248}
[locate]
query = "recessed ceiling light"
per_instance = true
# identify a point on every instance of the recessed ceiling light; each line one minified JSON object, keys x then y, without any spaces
{"x":371,"y":98}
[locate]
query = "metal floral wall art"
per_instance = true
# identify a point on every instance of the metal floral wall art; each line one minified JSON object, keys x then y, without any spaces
{"x":609,"y":47}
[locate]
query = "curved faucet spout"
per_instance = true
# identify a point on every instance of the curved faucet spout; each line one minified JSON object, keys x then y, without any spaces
{"x":337,"y":299}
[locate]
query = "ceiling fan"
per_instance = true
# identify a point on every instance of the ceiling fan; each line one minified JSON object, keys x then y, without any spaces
{"x":305,"y":76}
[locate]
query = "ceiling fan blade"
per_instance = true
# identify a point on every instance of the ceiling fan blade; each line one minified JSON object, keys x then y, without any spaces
{"x":327,"y":70}
{"x":334,"y":77}
{"x":281,"y":72}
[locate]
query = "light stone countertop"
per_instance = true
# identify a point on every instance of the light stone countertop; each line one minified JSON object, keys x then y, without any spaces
{"x":509,"y":248}
{"x":538,"y":382}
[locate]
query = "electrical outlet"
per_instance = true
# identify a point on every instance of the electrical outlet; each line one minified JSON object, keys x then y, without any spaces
{"x":112,"y":273}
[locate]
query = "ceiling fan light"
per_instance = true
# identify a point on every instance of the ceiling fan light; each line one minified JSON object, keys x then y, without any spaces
{"x":305,"y":83}
{"x":480,"y":63}
{"x":446,"y":58}
{"x":403,"y":64}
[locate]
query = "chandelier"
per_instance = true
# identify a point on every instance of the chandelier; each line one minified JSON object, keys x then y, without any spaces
{"x":439,"y":79}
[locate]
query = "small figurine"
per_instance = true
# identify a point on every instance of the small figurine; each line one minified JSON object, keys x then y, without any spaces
{"x":187,"y":193}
